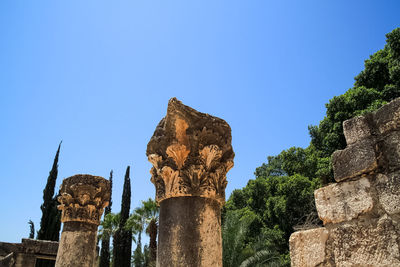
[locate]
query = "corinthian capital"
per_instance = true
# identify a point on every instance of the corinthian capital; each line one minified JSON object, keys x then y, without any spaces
{"x":83,"y":198}
{"x":191,"y":153}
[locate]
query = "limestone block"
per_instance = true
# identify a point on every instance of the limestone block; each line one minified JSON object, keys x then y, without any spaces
{"x":391,"y":150}
{"x":343,"y":201}
{"x":40,"y":246}
{"x":387,"y":118}
{"x":356,"y":129}
{"x":307,"y":248}
{"x":370,"y":244}
{"x":354,"y":160}
{"x":25,"y":260}
{"x":388,"y":187}
{"x":7,"y":260}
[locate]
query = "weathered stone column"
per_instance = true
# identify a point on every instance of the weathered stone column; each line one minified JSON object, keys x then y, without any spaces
{"x":83,"y":199}
{"x":191,"y":153}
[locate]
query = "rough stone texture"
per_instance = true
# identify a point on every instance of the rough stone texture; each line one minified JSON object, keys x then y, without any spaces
{"x":343,"y":201}
{"x":191,"y":153}
{"x":187,"y":223}
{"x":365,"y":244}
{"x":7,"y":260}
{"x":387,"y":118}
{"x":26,"y":253}
{"x":362,"y":212}
{"x":390,"y":148}
{"x":355,"y":160}
{"x":44,"y":247}
{"x":307,"y":248}
{"x":77,"y":245}
{"x":25,"y":260}
{"x":357,"y":129}
{"x":83,"y":199}
{"x":388,"y":187}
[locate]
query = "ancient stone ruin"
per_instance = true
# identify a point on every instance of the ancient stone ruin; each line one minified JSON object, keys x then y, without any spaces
{"x":361,"y":212}
{"x":83,"y":199}
{"x":26,"y":253}
{"x":191,"y":153}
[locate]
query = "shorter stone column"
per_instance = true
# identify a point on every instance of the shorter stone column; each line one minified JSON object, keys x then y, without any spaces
{"x":83,"y":198}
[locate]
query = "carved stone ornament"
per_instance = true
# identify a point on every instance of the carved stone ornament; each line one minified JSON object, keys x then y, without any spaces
{"x":191,"y":153}
{"x":83,"y":198}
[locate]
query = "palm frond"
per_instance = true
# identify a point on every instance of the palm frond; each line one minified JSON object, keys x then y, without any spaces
{"x":262,"y":258}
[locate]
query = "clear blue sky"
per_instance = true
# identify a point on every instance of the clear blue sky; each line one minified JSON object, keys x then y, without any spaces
{"x":98,"y":75}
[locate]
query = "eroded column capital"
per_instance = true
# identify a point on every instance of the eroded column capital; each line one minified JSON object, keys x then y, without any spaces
{"x":191,"y":153}
{"x":83,"y":198}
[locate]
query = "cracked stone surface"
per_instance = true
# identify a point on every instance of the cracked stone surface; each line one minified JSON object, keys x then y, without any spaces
{"x":307,"y":248}
{"x":191,"y":153}
{"x":343,"y":201}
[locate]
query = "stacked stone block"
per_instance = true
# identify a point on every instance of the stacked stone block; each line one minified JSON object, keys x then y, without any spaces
{"x":361,"y":212}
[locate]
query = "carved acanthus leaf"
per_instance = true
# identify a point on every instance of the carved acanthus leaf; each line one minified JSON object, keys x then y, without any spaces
{"x":83,"y":198}
{"x":169,"y":176}
{"x":194,"y":177}
{"x":210,"y":155}
{"x":178,"y":153}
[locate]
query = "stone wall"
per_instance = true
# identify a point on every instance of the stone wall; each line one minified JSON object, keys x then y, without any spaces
{"x":361,"y":212}
{"x":26,"y":253}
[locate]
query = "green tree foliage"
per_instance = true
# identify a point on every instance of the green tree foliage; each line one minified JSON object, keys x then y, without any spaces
{"x":105,"y":241}
{"x":122,"y":240}
{"x":268,"y":208}
{"x":308,"y":162}
{"x":137,"y":222}
{"x":376,"y":85}
{"x":138,"y":256}
{"x":234,"y":234}
{"x":259,"y":218}
{"x":145,"y":218}
{"x":146,"y":256}
{"x":31,"y":229}
{"x":280,"y":199}
{"x":241,"y":246}
{"x":109,"y":225}
{"x":151,"y":212}
{"x":50,"y":222}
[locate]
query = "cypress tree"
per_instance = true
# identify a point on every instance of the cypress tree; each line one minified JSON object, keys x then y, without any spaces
{"x":138,"y":255}
{"x":32,"y":229}
{"x":122,"y":241}
{"x":50,"y":222}
{"x":105,"y":243}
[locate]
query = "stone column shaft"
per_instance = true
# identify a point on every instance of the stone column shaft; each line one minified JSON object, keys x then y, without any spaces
{"x":191,"y":153}
{"x":83,"y":199}
{"x":190,"y":232}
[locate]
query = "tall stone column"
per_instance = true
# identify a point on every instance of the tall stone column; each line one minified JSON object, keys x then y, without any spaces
{"x":83,"y":198}
{"x":191,"y":153}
